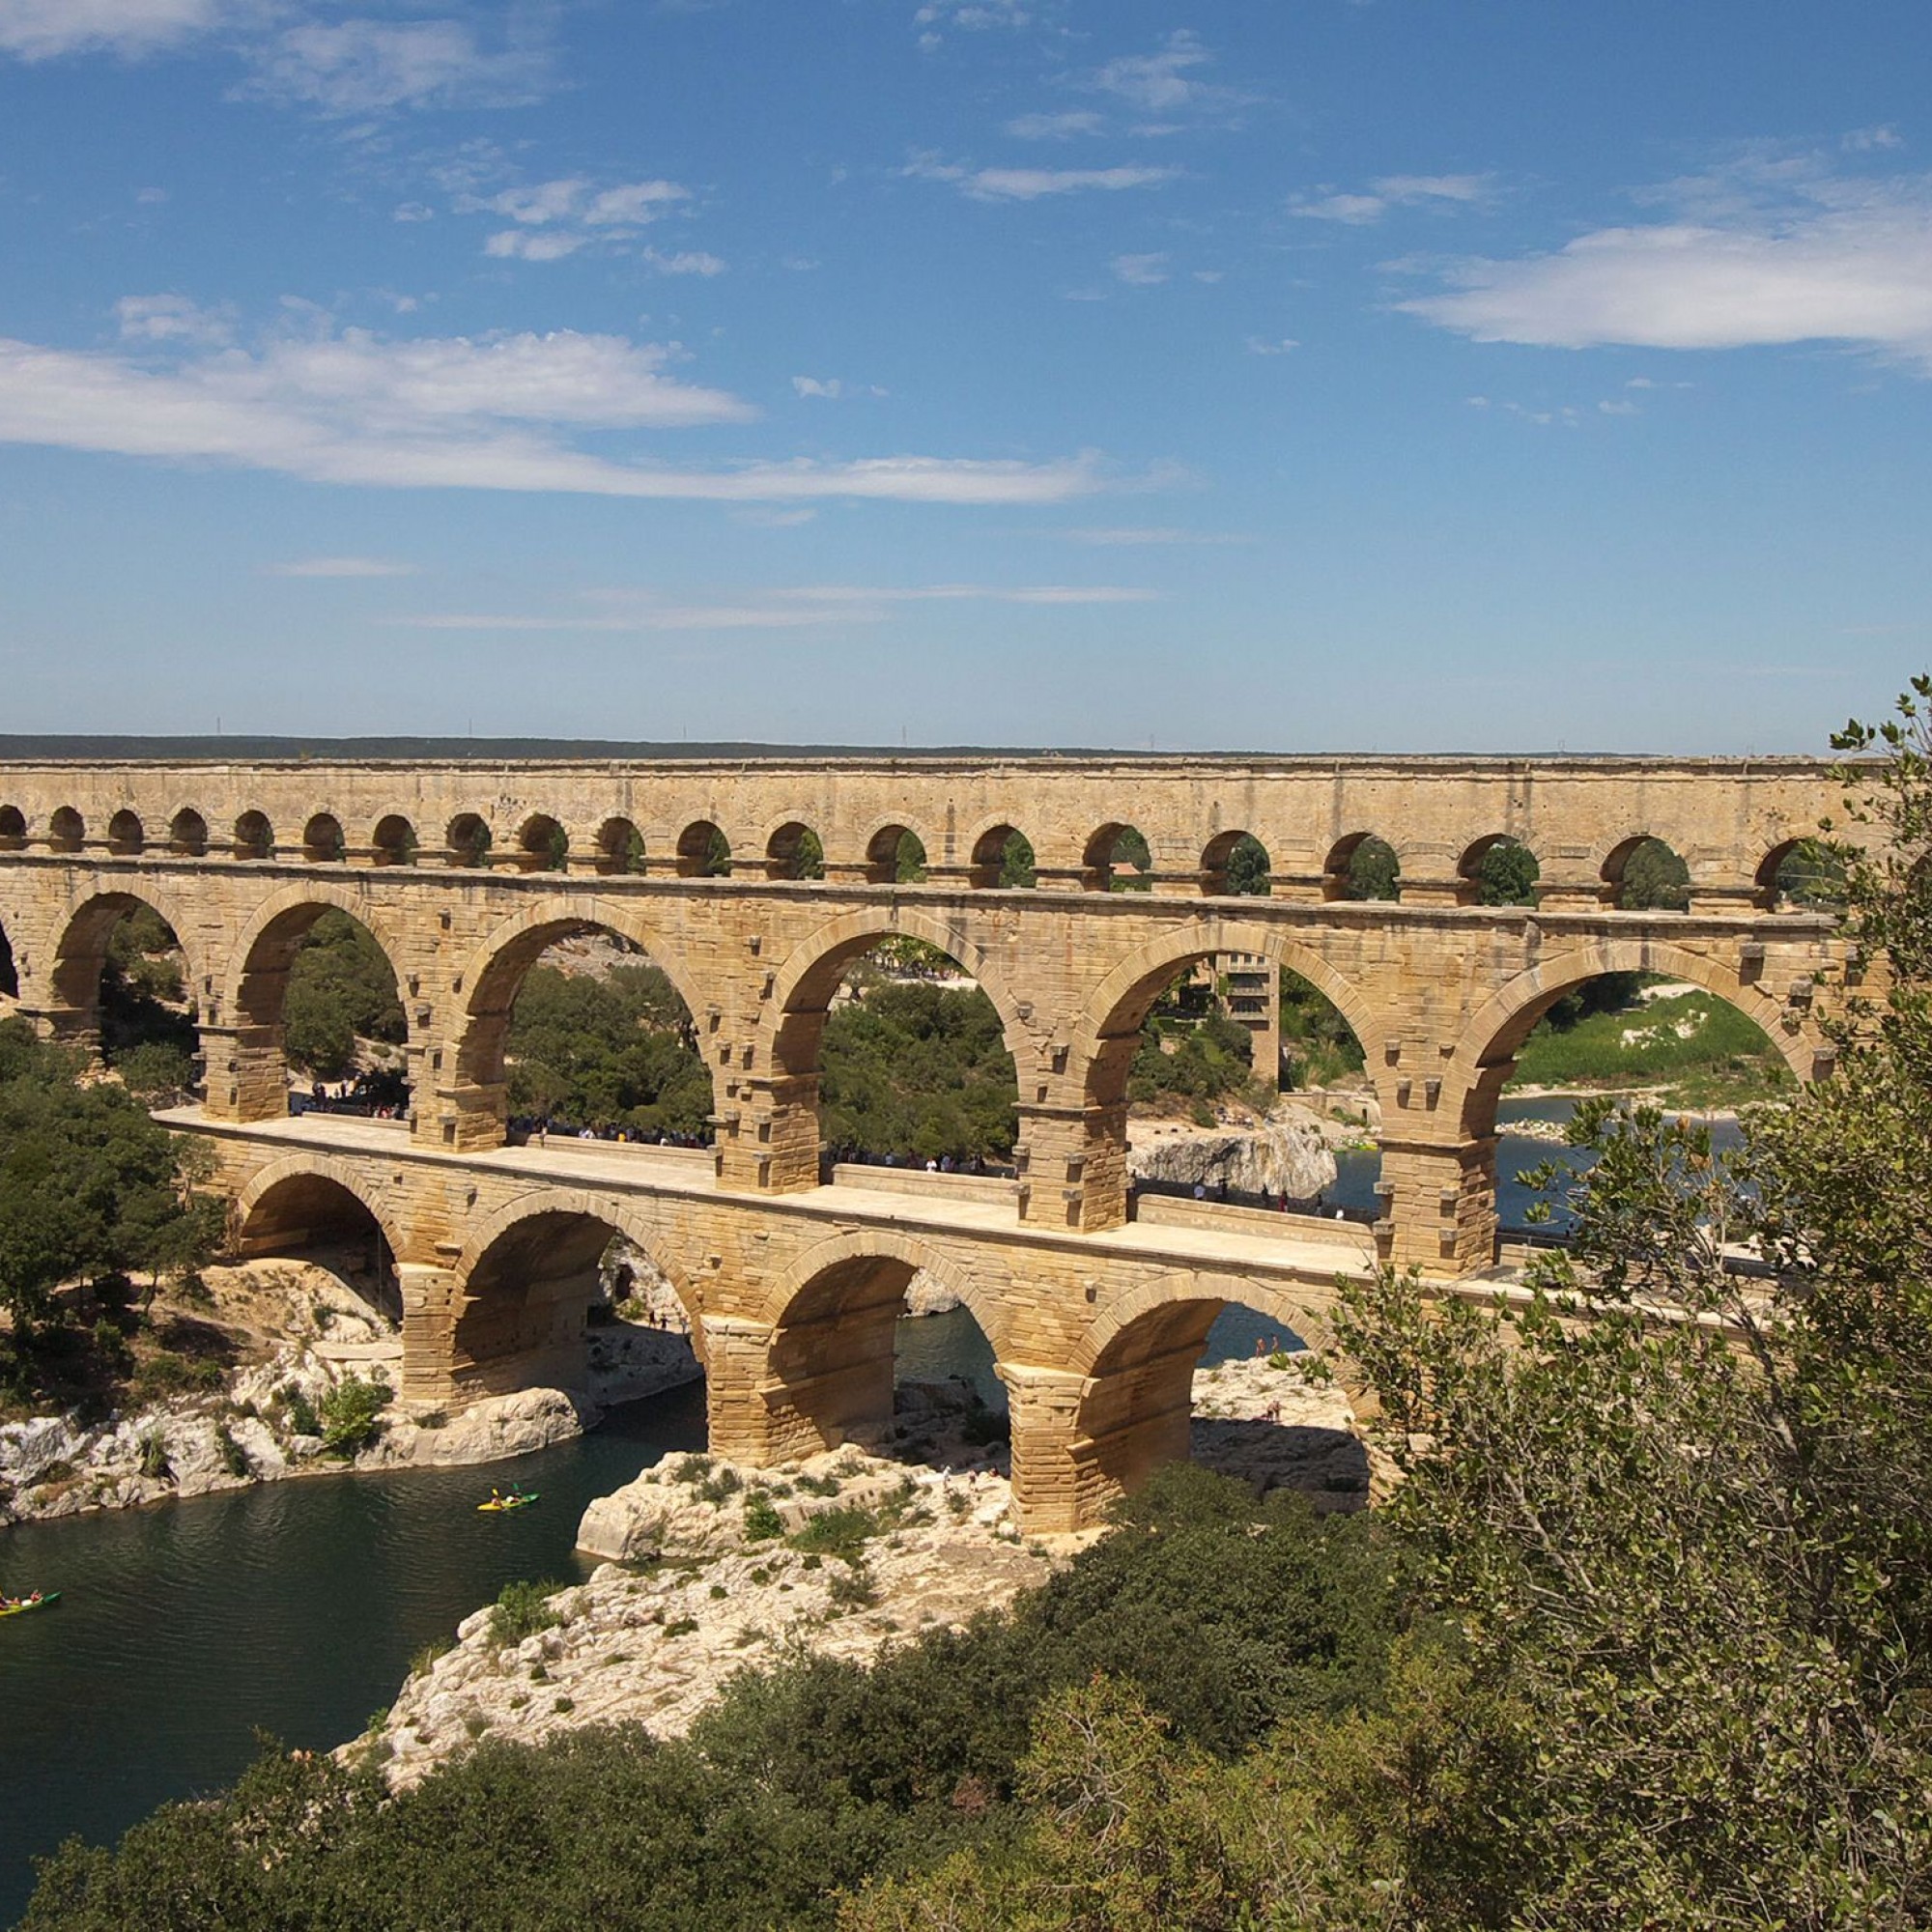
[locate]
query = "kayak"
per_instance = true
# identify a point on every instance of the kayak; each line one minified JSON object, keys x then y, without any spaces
{"x":38,"y":1600}
{"x":520,"y":1500}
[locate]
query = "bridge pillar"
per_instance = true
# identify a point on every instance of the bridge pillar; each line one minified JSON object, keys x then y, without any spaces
{"x":1072,"y":1163}
{"x":248,"y":1075}
{"x":1048,"y":1476}
{"x":767,"y":1134}
{"x":431,"y":1297}
{"x":750,"y":1416}
{"x":1438,"y":1203}
{"x":471,"y":1117}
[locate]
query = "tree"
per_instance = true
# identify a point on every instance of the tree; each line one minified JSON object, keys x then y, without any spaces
{"x":341,"y":990}
{"x":1016,"y":862}
{"x":1655,"y":880}
{"x":1248,"y":868}
{"x":1506,"y":875}
{"x":1373,"y":870}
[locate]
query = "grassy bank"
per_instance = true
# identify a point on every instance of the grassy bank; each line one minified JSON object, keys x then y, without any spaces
{"x":1692,"y":1047}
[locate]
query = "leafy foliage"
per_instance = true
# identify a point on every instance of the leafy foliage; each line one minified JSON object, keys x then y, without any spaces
{"x":341,"y":989}
{"x":1506,"y":875}
{"x":1655,"y":879}
{"x":614,"y":1052}
{"x":351,"y":1413}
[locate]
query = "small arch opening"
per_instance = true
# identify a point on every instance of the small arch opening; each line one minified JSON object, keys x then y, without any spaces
{"x":126,"y":836}
{"x":255,"y":837}
{"x":1235,"y":863}
{"x":620,"y":848}
{"x":12,"y":828}
{"x":322,"y":842}
{"x":1500,"y":870}
{"x":1803,"y":875}
{"x":1646,"y":875}
{"x":542,"y":845}
{"x":187,"y":835}
{"x":316,"y":1220}
{"x":1362,"y":866}
{"x":895,"y":855}
{"x":703,"y":852}
{"x":794,"y":852}
{"x":67,"y":830}
{"x":1118,"y":860}
{"x":1003,"y":859}
{"x":466,"y":841}
{"x":394,"y":841}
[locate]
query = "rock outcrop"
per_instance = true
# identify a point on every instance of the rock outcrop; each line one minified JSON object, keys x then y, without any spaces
{"x":1287,"y":1156}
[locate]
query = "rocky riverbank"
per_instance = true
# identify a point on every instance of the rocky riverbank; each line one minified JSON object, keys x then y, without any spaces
{"x":1288,"y":1154}
{"x":712,"y":1568}
{"x":264,"y":1419}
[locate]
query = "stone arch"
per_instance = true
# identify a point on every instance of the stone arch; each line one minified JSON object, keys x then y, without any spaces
{"x":188,"y":833}
{"x":527,"y":1277}
{"x":703,"y":851}
{"x":833,"y":1320}
{"x":322,"y":842}
{"x":1770,"y":893}
{"x":127,"y":837}
{"x":620,"y":848}
{"x":393,"y":840}
{"x":542,"y":844}
{"x":80,"y":950}
{"x":287,"y":1177}
{"x":1107,"y":1340}
{"x":1120,"y":1002}
{"x":1219,"y":853}
{"x":787,"y":853}
{"x":255,"y":985}
{"x":1487,"y":1051}
{"x":1475,"y":855}
{"x":882,"y":852}
{"x":67,"y":830}
{"x":987,"y":855}
{"x":1337,"y":868}
{"x":255,"y":837}
{"x":467,"y":840}
{"x":12,"y":828}
{"x":1615,"y":863}
{"x":1098,"y":870}
{"x":495,"y":971}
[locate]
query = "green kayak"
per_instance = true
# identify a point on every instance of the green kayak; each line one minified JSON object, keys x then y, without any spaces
{"x":18,"y":1607}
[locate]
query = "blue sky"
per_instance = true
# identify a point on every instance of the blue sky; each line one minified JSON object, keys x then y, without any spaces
{"x":1288,"y":375}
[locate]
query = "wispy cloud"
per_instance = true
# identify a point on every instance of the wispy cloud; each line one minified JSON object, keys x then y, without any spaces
{"x":1358,"y":210}
{"x":371,"y":66}
{"x":1170,"y":84}
{"x":803,"y":606}
{"x":343,"y":566}
{"x":1032,"y":183}
{"x":1140,"y":271}
{"x":555,"y":218}
{"x":684,"y":262}
{"x":831,"y":387}
{"x":936,"y":17}
{"x":172,"y":319}
{"x":455,"y":412}
{"x":1762,"y":252}
{"x":1054,"y":126}
{"x":36,"y":30}
{"x":1272,"y":345}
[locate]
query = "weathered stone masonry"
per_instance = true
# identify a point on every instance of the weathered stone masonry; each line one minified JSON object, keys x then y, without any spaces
{"x":240,"y":860}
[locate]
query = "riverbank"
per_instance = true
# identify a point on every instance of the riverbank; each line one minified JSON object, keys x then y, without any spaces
{"x":713,"y":1569}
{"x":312,"y":1349}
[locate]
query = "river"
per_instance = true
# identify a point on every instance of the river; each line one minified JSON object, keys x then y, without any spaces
{"x":293,"y":1608}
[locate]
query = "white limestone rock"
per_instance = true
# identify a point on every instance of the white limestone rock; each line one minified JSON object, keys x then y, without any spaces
{"x":1283,"y":1156}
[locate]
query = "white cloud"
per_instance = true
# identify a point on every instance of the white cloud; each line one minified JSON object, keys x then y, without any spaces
{"x":1863,"y":140}
{"x":457,"y":414}
{"x":1272,"y":345}
{"x":1772,"y":255}
{"x":414,"y":210}
{"x":780,"y":609}
{"x":686,"y":262}
{"x":522,"y":244}
{"x":1140,"y":271}
{"x":41,"y":29}
{"x":368,"y":66}
{"x":1358,"y":210}
{"x":1618,"y":408}
{"x":1053,"y":126}
{"x":172,"y":319}
{"x":812,"y":385}
{"x":343,"y":566}
{"x":1031,"y":184}
{"x":968,"y":16}
{"x":540,"y":201}
{"x":633,"y":204}
{"x":1160,"y":83}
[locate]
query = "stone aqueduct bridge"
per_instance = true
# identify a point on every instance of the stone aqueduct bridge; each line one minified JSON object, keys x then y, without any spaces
{"x":1096,"y":1318}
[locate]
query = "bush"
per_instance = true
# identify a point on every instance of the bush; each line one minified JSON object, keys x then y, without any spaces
{"x":299,"y":1410}
{"x":523,"y":1609}
{"x":762,"y":1521}
{"x":350,"y":1413}
{"x":838,"y":1532}
{"x":155,"y":1462}
{"x":234,"y":1458}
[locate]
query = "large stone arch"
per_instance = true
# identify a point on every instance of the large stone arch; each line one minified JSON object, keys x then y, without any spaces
{"x":1121,"y":1001}
{"x":526,"y":1330}
{"x":1297,"y":1307}
{"x":311,"y":897}
{"x":485,"y":989}
{"x":1487,"y":1050}
{"x":827,"y":1327}
{"x":294,"y":1168}
{"x":81,"y":930}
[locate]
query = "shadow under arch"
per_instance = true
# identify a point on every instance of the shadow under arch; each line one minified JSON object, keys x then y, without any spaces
{"x":833,"y":1317}
{"x":498,"y":964}
{"x":256,"y":984}
{"x":312,"y":1207}
{"x":1485,"y":1055}
{"x":530,"y":1274}
{"x":1138,"y":1360}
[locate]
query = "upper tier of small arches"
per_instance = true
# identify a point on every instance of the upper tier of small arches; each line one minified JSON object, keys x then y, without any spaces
{"x":1482,"y":867}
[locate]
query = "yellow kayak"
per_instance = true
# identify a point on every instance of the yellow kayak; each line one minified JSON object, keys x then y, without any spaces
{"x":38,"y":1600}
{"x":520,"y":1499}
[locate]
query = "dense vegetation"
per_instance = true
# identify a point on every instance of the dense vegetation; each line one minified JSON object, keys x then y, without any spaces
{"x":611,"y":1051}
{"x":92,"y":1192}
{"x":341,"y":989}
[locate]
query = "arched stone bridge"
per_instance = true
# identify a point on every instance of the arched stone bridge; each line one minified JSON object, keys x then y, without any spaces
{"x":240,"y":862}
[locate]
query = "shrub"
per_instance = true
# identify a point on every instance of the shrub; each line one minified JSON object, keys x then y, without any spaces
{"x":853,"y":1588}
{"x":234,"y":1458}
{"x":299,"y":1409}
{"x":423,"y":1661}
{"x":762,"y":1521}
{"x":838,"y":1532}
{"x":155,"y":1463}
{"x":523,"y":1609}
{"x":350,"y":1413}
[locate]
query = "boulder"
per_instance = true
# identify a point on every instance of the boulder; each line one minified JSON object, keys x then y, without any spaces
{"x":1283,"y":1156}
